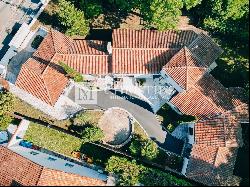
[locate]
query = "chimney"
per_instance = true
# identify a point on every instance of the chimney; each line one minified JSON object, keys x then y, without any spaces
{"x":109,"y":48}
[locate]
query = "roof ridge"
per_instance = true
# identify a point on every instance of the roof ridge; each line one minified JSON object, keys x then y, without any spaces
{"x":69,"y":54}
{"x":141,"y":48}
{"x":46,"y":87}
{"x":185,"y":55}
{"x":210,"y":101}
{"x":51,"y":31}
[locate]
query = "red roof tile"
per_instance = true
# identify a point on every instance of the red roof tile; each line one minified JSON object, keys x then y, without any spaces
{"x":146,"y":51}
{"x":127,"y":38}
{"x":207,"y":98}
{"x":185,"y":69}
{"x":212,"y":166}
{"x":88,"y":47}
{"x":211,"y":132}
{"x":46,"y":83}
{"x":85,"y":64}
{"x":205,"y":49}
{"x":51,"y":177}
{"x":140,"y":61}
{"x":17,"y":169}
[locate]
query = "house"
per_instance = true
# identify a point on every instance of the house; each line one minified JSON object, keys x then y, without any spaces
{"x":17,"y":170}
{"x":214,"y":153}
{"x":178,"y":61}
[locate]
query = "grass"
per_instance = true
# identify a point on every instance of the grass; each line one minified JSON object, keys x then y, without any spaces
{"x":139,"y":131}
{"x":52,"y":140}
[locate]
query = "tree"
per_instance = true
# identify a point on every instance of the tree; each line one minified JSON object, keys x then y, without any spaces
{"x":6,"y":108}
{"x":155,"y":177}
{"x":92,"y":134}
{"x":93,"y":8}
{"x":144,"y":148}
{"x":130,"y":174}
{"x":224,"y":16}
{"x":135,"y":147}
{"x":73,"y":19}
{"x":127,"y":171}
{"x":161,"y":14}
{"x":191,"y":3}
{"x":149,"y":150}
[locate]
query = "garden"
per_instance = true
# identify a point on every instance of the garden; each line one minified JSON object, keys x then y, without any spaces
{"x":66,"y":144}
{"x":171,"y":119}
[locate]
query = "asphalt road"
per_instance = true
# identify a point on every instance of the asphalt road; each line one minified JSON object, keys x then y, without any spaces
{"x":138,"y":108}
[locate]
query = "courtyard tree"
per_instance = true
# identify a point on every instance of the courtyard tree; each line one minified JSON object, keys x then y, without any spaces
{"x":191,"y":3}
{"x":144,"y":148}
{"x":161,"y":14}
{"x":73,"y":19}
{"x":6,"y":108}
{"x":127,"y":171}
{"x":92,"y":134}
{"x":149,"y":150}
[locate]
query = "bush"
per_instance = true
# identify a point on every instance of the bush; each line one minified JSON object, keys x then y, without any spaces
{"x":145,"y":148}
{"x":149,"y":150}
{"x":127,"y":171}
{"x":92,"y":134}
{"x":6,"y":109}
{"x":76,"y":76}
{"x":130,"y":174}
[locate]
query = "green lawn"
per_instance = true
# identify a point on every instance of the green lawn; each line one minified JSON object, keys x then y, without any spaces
{"x":52,"y":140}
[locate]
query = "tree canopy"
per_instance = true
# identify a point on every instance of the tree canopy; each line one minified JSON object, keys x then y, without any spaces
{"x":92,"y":134}
{"x":6,"y":108}
{"x":131,"y":173}
{"x":144,"y":148}
{"x":73,"y":19}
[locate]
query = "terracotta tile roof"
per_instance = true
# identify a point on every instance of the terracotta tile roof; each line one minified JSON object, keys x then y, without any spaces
{"x":140,"y":61}
{"x":41,"y":77}
{"x":85,"y":64}
{"x":88,"y":47}
{"x":46,"y":49}
{"x":210,"y":132}
{"x":207,"y":98}
{"x":45,"y":82}
{"x":61,"y":42}
{"x":17,"y":169}
{"x":205,"y":49}
{"x":146,"y":51}
{"x":127,"y":38}
{"x":51,"y":177}
{"x":185,"y":69}
{"x":212,"y":166}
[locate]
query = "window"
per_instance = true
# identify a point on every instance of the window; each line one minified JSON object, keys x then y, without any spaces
{"x":51,"y":159}
{"x":33,"y":153}
{"x":69,"y":165}
{"x":191,"y":130}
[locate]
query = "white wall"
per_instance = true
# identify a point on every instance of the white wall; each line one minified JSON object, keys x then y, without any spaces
{"x":58,"y":164}
{"x":171,"y":81}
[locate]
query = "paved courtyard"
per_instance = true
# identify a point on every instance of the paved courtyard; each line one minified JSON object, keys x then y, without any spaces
{"x":12,"y":14}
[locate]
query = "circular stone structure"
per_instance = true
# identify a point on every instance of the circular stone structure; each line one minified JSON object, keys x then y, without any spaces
{"x":116,"y":125}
